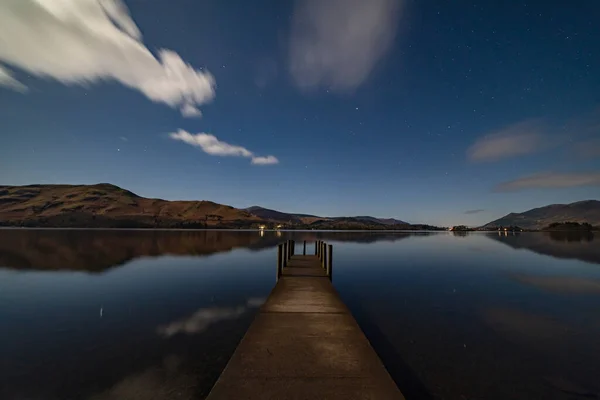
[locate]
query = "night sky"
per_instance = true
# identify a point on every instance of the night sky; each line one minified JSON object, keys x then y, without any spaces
{"x":440,"y":112}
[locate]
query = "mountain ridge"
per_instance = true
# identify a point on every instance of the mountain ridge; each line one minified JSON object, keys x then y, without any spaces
{"x":540,"y":217}
{"x":105,"y":205}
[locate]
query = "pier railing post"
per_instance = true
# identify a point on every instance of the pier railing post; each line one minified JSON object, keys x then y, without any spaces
{"x":321,"y":252}
{"x":285,"y":251}
{"x":323,"y":255}
{"x":316,"y":247}
{"x":330,"y":262}
{"x":304,"y":249}
{"x":293,"y":247}
{"x":279,"y":260}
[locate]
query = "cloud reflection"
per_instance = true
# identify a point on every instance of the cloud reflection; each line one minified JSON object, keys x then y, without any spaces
{"x":200,"y":320}
{"x":161,"y":382}
{"x":522,"y":326}
{"x":561,"y":284}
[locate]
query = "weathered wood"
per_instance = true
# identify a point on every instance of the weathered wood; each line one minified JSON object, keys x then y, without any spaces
{"x":330,"y":262}
{"x":279,"y":260}
{"x":304,"y":249}
{"x":305,"y":344}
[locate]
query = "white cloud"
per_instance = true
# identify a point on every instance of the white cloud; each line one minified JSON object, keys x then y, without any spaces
{"x":515,"y":140}
{"x":551,"y":180}
{"x":6,"y":79}
{"x":210,"y":144}
{"x":268,"y":160}
{"x":337,"y":43}
{"x":213,"y":146}
{"x":190,"y":111}
{"x":83,"y":41}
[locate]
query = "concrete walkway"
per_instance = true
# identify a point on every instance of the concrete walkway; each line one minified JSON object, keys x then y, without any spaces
{"x":304,"y":344}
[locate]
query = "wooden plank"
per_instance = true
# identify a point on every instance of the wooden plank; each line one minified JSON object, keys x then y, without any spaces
{"x":304,"y":344}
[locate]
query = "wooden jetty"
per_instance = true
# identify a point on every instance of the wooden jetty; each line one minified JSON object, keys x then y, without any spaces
{"x":304,"y":343}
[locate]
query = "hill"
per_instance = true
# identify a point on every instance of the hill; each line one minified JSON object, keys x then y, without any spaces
{"x":109,"y":206}
{"x":268,"y":214}
{"x":283,"y":217}
{"x":539,"y":218}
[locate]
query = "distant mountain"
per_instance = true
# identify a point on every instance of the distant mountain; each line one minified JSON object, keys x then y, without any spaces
{"x":539,"y":218}
{"x":384,"y":221}
{"x":109,"y":206}
{"x":265,"y":213}
{"x":279,"y":216}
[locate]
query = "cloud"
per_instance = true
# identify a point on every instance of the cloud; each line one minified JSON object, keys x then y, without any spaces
{"x":515,"y":140}
{"x":337,"y":43}
{"x":85,"y":41}
{"x":268,"y":160}
{"x":213,"y":146}
{"x":7,"y":79}
{"x":200,"y":320}
{"x":479,"y":210}
{"x":190,"y":111}
{"x":551,"y":180}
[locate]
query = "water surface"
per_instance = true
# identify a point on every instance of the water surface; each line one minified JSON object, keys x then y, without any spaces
{"x":91,"y":314}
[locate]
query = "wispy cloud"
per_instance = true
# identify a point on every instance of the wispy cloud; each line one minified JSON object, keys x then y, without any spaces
{"x":190,"y":111}
{"x":83,"y":41}
{"x":479,"y":210}
{"x":265,"y":160}
{"x":213,"y":146}
{"x":515,"y":140}
{"x":337,"y":43}
{"x":551,"y":180}
{"x":7,"y":80}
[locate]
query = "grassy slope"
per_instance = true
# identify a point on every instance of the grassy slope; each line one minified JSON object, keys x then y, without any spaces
{"x":106,"y":205}
{"x":538,"y":218}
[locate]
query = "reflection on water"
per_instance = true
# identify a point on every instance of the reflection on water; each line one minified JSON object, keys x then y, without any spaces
{"x":107,"y":315}
{"x":98,"y":250}
{"x":202,"y":319}
{"x":578,"y":245}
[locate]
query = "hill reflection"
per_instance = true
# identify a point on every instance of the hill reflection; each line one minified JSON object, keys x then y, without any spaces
{"x":99,"y":250}
{"x":582,"y":246}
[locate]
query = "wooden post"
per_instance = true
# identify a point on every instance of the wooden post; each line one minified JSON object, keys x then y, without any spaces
{"x":279,"y":260}
{"x":304,"y":250}
{"x":323,"y":255}
{"x":330,"y":262}
{"x":285,"y":253}
{"x":316,"y":247}
{"x":293,"y":247}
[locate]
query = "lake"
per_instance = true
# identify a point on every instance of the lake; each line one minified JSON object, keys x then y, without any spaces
{"x":113,"y":314}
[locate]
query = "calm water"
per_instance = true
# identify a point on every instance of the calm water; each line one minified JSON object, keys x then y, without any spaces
{"x":156,"y":314}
